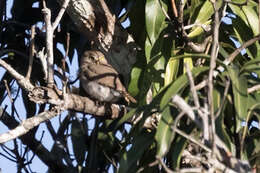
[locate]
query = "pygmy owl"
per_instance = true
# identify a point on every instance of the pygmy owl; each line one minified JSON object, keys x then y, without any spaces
{"x":100,"y":80}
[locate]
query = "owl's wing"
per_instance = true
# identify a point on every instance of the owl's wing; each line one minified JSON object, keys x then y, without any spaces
{"x":104,"y":74}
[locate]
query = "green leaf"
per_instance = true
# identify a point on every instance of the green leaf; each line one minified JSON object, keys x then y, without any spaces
{"x":78,"y":137}
{"x":248,"y":14}
{"x":199,"y":30}
{"x":124,"y":118}
{"x":247,"y":19}
{"x":133,"y":88}
{"x":154,"y":19}
{"x":180,"y":144}
{"x":154,"y":22}
{"x":205,"y":13}
{"x":140,"y":144}
{"x":220,"y":125}
{"x":179,"y":85}
{"x":203,"y":17}
{"x":171,"y":71}
{"x":188,"y":61}
{"x":164,"y":133}
{"x":239,"y":88}
{"x":251,"y":66}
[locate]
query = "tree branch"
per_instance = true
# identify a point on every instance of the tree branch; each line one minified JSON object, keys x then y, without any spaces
{"x":26,"y":126}
{"x":22,"y":81}
{"x":28,"y":139}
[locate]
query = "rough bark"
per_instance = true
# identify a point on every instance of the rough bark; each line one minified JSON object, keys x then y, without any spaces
{"x":95,"y":21}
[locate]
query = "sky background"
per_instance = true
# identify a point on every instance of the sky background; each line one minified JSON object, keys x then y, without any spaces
{"x":37,"y":165}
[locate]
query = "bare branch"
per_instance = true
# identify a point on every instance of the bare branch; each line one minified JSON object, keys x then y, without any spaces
{"x":166,"y":169}
{"x":8,"y":91}
{"x":22,"y":81}
{"x":49,"y":44}
{"x":186,"y":108}
{"x":236,"y":52}
{"x":26,"y":125}
{"x":35,"y":145}
{"x":190,"y":138}
{"x":174,"y":9}
{"x":192,"y":86}
{"x":224,"y":98}
{"x":199,"y":47}
{"x":61,"y":12}
{"x":253,"y":88}
{"x":214,"y":53}
{"x":32,"y":49}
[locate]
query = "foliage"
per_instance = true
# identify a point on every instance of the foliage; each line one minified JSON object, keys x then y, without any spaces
{"x":160,"y":68}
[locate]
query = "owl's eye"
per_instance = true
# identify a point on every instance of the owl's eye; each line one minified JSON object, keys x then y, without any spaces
{"x":93,"y":58}
{"x":102,"y":59}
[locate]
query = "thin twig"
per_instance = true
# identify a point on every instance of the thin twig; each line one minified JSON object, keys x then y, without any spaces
{"x":214,"y":53}
{"x":253,"y":88}
{"x":192,"y":86}
{"x":236,"y":52}
{"x":190,"y":138}
{"x":26,"y":125}
{"x":8,"y":91}
{"x":174,"y":9}
{"x":49,"y":44}
{"x":167,"y":170}
{"x":164,"y":11}
{"x":224,"y":98}
{"x":24,"y":83}
{"x":199,"y":47}
{"x":177,"y":100}
{"x":61,"y":12}
{"x":154,"y":163}
{"x":28,"y":75}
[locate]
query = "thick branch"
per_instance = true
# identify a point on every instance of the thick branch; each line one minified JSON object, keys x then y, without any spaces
{"x":69,"y":101}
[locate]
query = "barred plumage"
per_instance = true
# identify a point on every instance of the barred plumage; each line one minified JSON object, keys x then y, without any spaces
{"x":100,"y":80}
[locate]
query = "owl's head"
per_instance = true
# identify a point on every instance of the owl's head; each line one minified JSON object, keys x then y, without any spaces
{"x":96,"y":57}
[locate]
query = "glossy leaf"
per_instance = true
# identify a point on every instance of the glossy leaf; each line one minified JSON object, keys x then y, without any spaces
{"x":188,"y":61}
{"x":154,"y":19}
{"x":164,"y":133}
{"x":249,"y":16}
{"x":202,"y":18}
{"x":220,"y":124}
{"x":178,"y":85}
{"x":171,"y":71}
{"x":239,"y":89}
{"x":133,"y":87}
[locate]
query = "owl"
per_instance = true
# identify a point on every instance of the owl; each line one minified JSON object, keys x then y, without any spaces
{"x":100,"y":80}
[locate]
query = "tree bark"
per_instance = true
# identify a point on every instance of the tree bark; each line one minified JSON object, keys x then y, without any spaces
{"x":96,"y":22}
